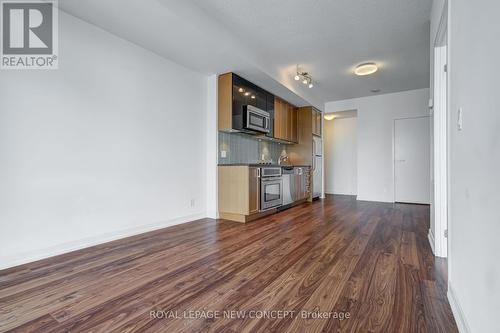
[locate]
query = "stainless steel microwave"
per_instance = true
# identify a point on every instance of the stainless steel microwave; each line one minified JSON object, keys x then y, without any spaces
{"x":255,"y":119}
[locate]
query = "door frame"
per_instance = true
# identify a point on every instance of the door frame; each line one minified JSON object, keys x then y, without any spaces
{"x":394,"y":154}
{"x":440,"y":114}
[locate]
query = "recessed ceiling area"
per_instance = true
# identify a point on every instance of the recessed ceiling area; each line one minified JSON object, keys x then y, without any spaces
{"x":267,"y":39}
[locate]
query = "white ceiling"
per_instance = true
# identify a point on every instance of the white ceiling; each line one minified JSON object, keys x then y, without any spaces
{"x":264,"y":39}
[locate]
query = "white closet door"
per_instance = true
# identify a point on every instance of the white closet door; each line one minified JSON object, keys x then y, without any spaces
{"x":412,"y":160}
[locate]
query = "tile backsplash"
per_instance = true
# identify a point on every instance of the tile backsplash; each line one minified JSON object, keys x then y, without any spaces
{"x":244,"y":148}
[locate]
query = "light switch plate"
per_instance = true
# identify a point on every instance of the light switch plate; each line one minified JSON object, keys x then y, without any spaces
{"x":460,"y":119}
{"x":223,"y":153}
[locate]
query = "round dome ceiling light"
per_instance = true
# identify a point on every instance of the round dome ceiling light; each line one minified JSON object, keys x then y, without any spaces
{"x":366,"y":69}
{"x":329,"y":116}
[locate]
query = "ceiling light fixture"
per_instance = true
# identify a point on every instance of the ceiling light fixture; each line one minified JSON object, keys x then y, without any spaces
{"x":329,"y":116}
{"x":304,"y":76}
{"x":366,"y":69}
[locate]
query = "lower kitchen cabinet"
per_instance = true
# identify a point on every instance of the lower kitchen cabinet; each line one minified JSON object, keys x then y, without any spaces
{"x":239,"y":193}
{"x":253,"y":190}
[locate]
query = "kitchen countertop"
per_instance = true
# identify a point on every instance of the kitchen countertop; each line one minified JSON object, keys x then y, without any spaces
{"x":265,"y":165}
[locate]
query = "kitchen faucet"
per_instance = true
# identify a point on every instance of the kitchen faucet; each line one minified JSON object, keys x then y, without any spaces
{"x":282,"y":159}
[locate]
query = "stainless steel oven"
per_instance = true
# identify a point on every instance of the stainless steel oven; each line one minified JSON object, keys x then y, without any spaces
{"x":255,"y":119}
{"x":271,"y":188}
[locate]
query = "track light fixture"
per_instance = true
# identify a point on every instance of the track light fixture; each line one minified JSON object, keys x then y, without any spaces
{"x":304,"y":76}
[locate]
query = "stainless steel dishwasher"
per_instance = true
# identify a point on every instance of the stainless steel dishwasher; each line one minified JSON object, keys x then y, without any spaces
{"x":287,"y":177}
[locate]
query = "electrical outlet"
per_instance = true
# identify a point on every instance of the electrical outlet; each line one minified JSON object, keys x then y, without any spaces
{"x":223,"y":153}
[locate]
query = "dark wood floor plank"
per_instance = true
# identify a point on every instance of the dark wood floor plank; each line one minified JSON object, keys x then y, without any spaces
{"x":83,"y":296}
{"x":255,"y":284}
{"x":292,"y":290}
{"x":373,"y":279}
{"x":408,"y":310}
{"x":43,"y":269}
{"x":370,"y":259}
{"x":101,"y":285}
{"x":377,"y":303}
{"x":237,"y":255}
{"x":409,"y":251}
{"x":325,"y":297}
{"x":437,"y":310}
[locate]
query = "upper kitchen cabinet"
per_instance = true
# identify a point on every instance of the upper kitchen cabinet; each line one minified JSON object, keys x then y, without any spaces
{"x":243,"y":106}
{"x":309,"y":125}
{"x":293,"y":123}
{"x":316,"y":121}
{"x":285,"y":121}
{"x":279,"y":119}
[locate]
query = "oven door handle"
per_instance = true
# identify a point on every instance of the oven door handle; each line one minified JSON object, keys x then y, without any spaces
{"x":271,"y":179}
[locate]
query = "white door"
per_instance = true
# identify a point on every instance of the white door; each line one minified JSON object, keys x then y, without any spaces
{"x":412,"y":160}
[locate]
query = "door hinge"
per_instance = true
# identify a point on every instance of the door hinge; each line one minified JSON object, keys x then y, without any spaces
{"x":445,"y":68}
{"x":445,"y":233}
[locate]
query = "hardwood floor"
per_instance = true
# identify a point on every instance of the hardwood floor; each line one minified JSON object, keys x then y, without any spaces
{"x":335,"y":258}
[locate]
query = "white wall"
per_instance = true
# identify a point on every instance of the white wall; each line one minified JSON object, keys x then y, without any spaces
{"x":212,"y":147}
{"x":474,"y":163}
{"x":109,"y":145}
{"x":340,"y":146}
{"x":436,"y":14}
{"x":375,"y":128}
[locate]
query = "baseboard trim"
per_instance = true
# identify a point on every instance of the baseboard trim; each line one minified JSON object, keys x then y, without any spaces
{"x":337,"y":193}
{"x":458,"y":313}
{"x":20,"y":259}
{"x":430,"y":236}
{"x":373,"y":200}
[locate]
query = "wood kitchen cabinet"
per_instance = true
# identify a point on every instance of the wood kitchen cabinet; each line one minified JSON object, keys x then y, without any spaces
{"x":253,"y":190}
{"x":239,"y":193}
{"x":309,"y":124}
{"x":279,"y":119}
{"x":285,"y":121}
{"x":234,"y":92}
{"x":293,"y":122}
